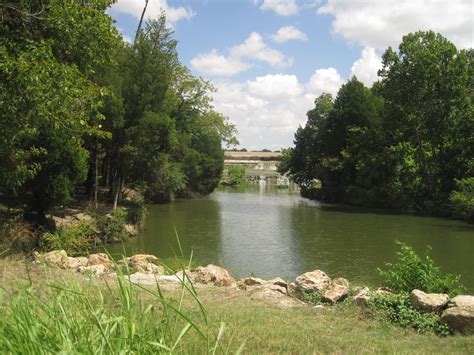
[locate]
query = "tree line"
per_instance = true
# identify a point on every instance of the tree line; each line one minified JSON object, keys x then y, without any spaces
{"x":405,"y":143}
{"x":82,"y":108}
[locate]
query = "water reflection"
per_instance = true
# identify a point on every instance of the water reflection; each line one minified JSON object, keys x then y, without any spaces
{"x":273,"y":232}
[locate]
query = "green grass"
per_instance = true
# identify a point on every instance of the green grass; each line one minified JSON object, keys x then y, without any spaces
{"x":61,"y":311}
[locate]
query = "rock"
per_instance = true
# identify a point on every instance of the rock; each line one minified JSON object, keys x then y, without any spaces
{"x":337,"y":291}
{"x":100,"y":259}
{"x":131,"y":230}
{"x":313,"y":281}
{"x":96,"y":270}
{"x":84,"y":217}
{"x":55,"y":258}
{"x":74,"y":263}
{"x":463,"y":301}
{"x":362,"y":297}
{"x":279,"y":281}
{"x":215,"y":275}
{"x":385,"y":291}
{"x":143,"y":263}
{"x":143,"y":279}
{"x":251,"y":281}
{"x":428,"y":302}
{"x":460,"y":319}
{"x":274,"y":296}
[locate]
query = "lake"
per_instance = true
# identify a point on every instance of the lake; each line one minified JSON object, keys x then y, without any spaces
{"x":269,"y":232}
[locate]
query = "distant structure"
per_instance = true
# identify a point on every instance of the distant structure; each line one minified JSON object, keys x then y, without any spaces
{"x":259,"y":166}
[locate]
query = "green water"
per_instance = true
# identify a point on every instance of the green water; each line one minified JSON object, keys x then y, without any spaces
{"x":271,"y":233}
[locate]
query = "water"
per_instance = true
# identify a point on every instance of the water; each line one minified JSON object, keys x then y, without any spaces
{"x":270,"y":233}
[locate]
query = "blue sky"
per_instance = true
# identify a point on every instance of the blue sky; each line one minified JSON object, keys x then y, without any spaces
{"x":269,"y":59}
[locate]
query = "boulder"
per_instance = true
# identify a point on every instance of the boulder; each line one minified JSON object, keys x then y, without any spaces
{"x":100,"y":259}
{"x":428,"y":302}
{"x":131,"y":230}
{"x":74,"y":263}
{"x":361,"y":297}
{"x":337,"y":291}
{"x":251,"y":281}
{"x":97,"y":269}
{"x":279,"y":281}
{"x":214,"y":275}
{"x":143,"y":263}
{"x":143,"y":278}
{"x":313,"y":281}
{"x":463,"y":301}
{"x":385,"y":291}
{"x":84,"y":217}
{"x":270,"y":294}
{"x":460,"y":319}
{"x":55,"y":258}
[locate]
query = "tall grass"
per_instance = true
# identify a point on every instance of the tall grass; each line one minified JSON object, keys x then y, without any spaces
{"x":103,"y":317}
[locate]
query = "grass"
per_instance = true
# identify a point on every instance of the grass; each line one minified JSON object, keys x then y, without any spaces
{"x":48,"y":311}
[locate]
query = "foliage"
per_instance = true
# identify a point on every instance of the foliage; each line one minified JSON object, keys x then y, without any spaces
{"x":402,"y":143}
{"x":82,"y":108}
{"x":398,"y":310}
{"x":236,"y":176}
{"x":112,"y":225}
{"x":413,"y":272}
{"x":462,"y":199}
{"x":77,"y":240}
{"x":76,"y":318}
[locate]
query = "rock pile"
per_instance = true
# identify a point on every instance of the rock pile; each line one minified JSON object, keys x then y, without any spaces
{"x":458,"y":312}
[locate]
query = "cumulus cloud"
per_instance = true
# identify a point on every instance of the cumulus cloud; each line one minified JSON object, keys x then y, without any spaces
{"x":254,"y":47}
{"x":268,"y":109}
{"x":324,"y":81}
{"x":366,"y":67}
{"x":281,"y":7}
{"x":135,"y":8}
{"x":215,"y":64}
{"x":380,"y":24}
{"x":288,"y":33}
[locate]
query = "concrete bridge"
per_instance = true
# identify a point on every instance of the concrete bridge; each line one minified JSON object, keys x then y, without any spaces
{"x":259,"y":166}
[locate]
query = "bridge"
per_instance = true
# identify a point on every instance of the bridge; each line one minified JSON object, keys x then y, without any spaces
{"x":259,"y":166}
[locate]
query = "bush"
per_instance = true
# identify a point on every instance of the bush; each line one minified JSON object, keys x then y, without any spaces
{"x":412,"y":272}
{"x":236,"y":176}
{"x":76,"y":241}
{"x":112,"y":225}
{"x":462,"y":200}
{"x":398,"y":309}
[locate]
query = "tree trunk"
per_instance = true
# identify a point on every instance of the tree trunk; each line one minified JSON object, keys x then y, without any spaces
{"x":140,"y":23}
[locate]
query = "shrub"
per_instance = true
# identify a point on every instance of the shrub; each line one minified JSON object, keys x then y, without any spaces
{"x":462,"y":200}
{"x":112,"y":225}
{"x":398,"y":309}
{"x":412,"y":272}
{"x":236,"y":176}
{"x":77,"y":240}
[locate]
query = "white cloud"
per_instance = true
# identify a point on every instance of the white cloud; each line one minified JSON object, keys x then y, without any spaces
{"x":288,"y":33}
{"x":135,"y":8}
{"x":215,"y":64}
{"x":380,"y":24}
{"x":324,"y":81}
{"x":255,"y":48}
{"x":281,"y":7}
{"x":366,"y":67}
{"x":268,"y":110}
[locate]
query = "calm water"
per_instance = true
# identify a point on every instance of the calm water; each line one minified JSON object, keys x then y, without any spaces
{"x":276,"y":233}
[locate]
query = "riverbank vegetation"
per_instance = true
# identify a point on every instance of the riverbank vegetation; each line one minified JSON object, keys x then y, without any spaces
{"x":86,"y":113}
{"x":49,"y":310}
{"x":405,"y":143}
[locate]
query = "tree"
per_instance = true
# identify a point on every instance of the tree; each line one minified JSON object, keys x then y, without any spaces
{"x":48,"y":52}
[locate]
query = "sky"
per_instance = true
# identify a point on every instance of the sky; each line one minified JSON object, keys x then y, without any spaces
{"x":269,"y":59}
